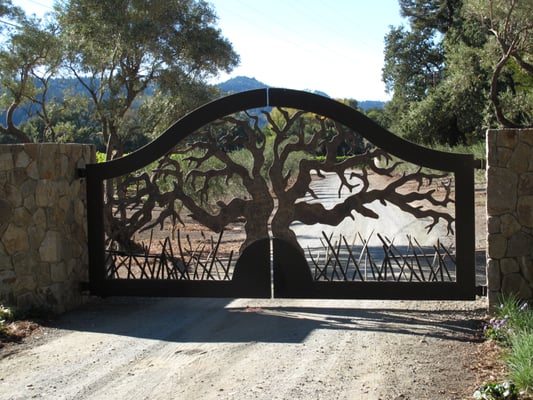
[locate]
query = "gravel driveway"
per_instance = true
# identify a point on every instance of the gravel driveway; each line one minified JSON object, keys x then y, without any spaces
{"x":137,"y":348}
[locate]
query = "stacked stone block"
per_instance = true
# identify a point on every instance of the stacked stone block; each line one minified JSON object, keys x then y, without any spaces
{"x":510,"y":213}
{"x":43,"y":225}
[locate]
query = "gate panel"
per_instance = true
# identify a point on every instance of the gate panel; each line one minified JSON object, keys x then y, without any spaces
{"x":324,"y":179}
{"x":377,"y":229}
{"x":175,"y":217}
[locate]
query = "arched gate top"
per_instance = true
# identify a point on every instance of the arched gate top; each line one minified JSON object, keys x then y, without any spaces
{"x":275,"y":97}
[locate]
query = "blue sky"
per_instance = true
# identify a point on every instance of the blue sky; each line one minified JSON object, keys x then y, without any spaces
{"x":333,"y":46}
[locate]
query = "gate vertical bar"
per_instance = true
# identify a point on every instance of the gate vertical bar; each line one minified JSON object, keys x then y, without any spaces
{"x":465,"y":228}
{"x":96,"y":232}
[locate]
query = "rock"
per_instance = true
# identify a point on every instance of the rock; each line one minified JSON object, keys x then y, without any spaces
{"x":501,"y":191}
{"x":519,"y":161}
{"x":516,"y":284}
{"x":525,"y":210}
{"x":493,"y":275}
{"x":509,"y":266}
{"x":525,"y":184}
{"x":6,"y":162}
{"x":50,"y":249}
{"x":497,"y":244}
{"x":23,"y":160}
{"x":509,"y":225}
{"x":520,"y":244}
{"x":15,"y":239}
{"x":5,"y":210}
{"x":507,"y":138}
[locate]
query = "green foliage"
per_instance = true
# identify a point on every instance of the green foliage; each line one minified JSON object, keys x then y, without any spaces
{"x":7,"y":9}
{"x":6,"y":314}
{"x":118,"y":49}
{"x":29,"y":57}
{"x":460,"y":68}
{"x":338,"y":159}
{"x":478,"y":149}
{"x":413,"y":63}
{"x":513,"y":316}
{"x":496,"y":391}
{"x":508,"y":27}
{"x":437,"y":15}
{"x":139,"y":65}
{"x":520,"y":359}
{"x":512,"y":327}
{"x":379,"y":116}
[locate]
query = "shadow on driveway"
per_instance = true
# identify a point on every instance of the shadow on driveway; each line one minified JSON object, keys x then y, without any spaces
{"x":275,"y":321}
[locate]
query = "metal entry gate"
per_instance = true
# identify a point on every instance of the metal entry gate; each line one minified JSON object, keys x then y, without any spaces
{"x":257,"y":165}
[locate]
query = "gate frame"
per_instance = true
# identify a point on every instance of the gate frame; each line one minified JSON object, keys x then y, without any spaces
{"x":461,"y":165}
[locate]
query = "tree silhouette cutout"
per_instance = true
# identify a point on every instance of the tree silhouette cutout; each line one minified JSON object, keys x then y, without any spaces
{"x":272,"y":158}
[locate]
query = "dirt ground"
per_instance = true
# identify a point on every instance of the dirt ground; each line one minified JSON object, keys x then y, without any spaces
{"x":135,"y":348}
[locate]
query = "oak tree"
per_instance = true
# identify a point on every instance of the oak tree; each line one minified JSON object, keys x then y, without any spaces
{"x":117,"y":50}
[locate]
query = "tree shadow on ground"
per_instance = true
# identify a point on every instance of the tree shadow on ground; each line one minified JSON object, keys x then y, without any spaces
{"x":224,"y":320}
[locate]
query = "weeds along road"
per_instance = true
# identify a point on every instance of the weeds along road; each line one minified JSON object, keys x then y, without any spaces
{"x":138,"y":348}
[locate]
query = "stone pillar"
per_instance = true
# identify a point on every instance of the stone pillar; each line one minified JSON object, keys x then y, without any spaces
{"x":43,"y":225}
{"x":510,"y":213}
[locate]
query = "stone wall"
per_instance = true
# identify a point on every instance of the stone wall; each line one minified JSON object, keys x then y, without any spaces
{"x":43,"y":225}
{"x":510,"y":213}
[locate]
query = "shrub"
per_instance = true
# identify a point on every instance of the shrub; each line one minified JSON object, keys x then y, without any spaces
{"x":512,"y":327}
{"x":496,"y":391}
{"x":5,"y":315}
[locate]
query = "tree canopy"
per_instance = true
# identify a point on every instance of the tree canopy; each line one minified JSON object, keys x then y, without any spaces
{"x":120,"y":53}
{"x":127,"y":69}
{"x":458,"y":68}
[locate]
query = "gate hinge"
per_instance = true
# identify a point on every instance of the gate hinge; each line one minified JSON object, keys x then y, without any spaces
{"x":480,"y":163}
{"x":481,"y":291}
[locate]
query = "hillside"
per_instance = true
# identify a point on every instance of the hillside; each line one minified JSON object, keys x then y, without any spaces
{"x":243,"y":83}
{"x":234,"y":85}
{"x":240,"y":84}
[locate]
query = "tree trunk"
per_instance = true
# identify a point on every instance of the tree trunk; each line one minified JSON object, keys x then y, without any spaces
{"x":494,"y":99}
{"x":11,"y":129}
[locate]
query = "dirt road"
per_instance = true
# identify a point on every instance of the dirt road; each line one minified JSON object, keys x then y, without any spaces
{"x":249,"y":349}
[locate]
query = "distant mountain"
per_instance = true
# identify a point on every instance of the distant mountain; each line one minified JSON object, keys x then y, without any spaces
{"x":58,"y":87}
{"x":243,"y":83}
{"x":368,"y":104}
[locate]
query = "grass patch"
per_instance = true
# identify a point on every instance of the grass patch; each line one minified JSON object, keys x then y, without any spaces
{"x":520,"y":361}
